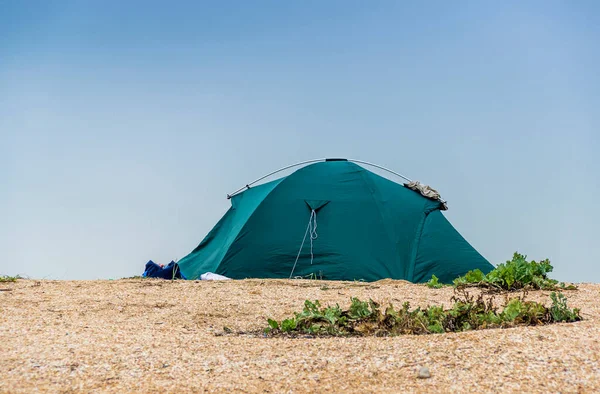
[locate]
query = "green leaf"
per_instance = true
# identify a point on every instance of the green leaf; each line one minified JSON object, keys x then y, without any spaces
{"x":512,"y":310}
{"x":273,"y":324}
{"x":434,"y":283}
{"x":288,"y":325}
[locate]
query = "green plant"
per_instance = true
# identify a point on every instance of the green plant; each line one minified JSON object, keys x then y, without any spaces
{"x":288,"y":325}
{"x":466,"y":313}
{"x":560,"y":311}
{"x":515,"y":274}
{"x":6,"y":278}
{"x":273,"y":324}
{"x":520,"y":312}
{"x":360,"y":309}
{"x":434,"y":283}
{"x":474,"y":276}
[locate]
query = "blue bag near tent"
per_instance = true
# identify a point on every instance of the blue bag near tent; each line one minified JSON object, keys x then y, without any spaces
{"x":170,"y":271}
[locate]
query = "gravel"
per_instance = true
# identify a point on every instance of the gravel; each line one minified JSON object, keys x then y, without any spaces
{"x":145,"y":335}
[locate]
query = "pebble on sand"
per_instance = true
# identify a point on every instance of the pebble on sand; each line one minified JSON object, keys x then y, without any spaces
{"x":424,"y":373}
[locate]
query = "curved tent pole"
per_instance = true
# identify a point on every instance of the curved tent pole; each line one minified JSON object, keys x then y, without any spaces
{"x":272,"y":173}
{"x":313,"y":161}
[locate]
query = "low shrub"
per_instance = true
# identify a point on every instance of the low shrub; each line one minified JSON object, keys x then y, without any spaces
{"x":6,"y":278}
{"x":515,"y":274}
{"x":467,"y":313}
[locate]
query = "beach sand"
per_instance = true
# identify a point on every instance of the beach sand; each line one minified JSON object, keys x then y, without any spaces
{"x":146,"y":335}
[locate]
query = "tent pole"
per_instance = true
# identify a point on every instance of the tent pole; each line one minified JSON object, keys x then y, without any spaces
{"x":272,"y":173}
{"x":308,"y":162}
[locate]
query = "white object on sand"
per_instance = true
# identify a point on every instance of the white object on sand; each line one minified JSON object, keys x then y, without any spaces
{"x":211,"y":276}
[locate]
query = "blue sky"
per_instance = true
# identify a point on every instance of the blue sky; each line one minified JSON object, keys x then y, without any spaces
{"x":124,"y":124}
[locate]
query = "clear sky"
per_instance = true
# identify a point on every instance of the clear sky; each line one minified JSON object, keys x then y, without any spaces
{"x":123,"y":124}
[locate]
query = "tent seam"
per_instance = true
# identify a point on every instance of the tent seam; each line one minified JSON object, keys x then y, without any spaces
{"x":364,"y":174}
{"x":417,"y":243}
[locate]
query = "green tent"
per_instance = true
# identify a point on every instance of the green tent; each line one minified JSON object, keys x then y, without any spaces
{"x":334,"y":220}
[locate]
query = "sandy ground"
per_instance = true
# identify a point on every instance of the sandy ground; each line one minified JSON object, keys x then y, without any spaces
{"x":143,"y":335}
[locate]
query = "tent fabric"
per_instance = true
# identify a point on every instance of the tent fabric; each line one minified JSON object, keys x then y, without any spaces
{"x":368,"y":228}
